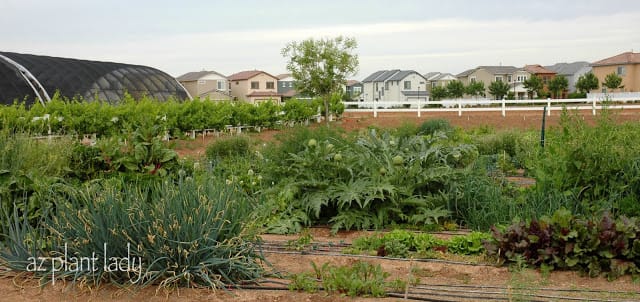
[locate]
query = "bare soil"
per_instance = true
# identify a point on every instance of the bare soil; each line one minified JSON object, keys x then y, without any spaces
{"x":21,"y":288}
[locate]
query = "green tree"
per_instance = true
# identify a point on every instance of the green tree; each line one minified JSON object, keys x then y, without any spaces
{"x":321,"y":67}
{"x":498,"y":89}
{"x":587,"y":82}
{"x":533,"y":85}
{"x":455,"y":89}
{"x":613,"y":81}
{"x":558,"y":85}
{"x":439,"y":93}
{"x":475,"y":89}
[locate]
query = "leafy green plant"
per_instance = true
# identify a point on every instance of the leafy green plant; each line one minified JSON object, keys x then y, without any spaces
{"x":358,"y":279}
{"x":564,"y":241}
{"x":228,"y":147}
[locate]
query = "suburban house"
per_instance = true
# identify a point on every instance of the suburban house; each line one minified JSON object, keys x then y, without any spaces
{"x":254,"y":86}
{"x":353,"y":90}
{"x":545,"y":74}
{"x":206,"y":84}
{"x":395,"y":86}
{"x":626,"y":65}
{"x":285,"y":86}
{"x":488,"y":74}
{"x":571,"y":71}
{"x":438,"y":79}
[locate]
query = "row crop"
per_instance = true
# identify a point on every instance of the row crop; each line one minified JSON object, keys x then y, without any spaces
{"x":64,"y":116}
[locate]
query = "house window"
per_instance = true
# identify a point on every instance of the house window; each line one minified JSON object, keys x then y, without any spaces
{"x":472,"y":79}
{"x":201,"y":82}
{"x":407,"y":84}
{"x":499,"y":79}
{"x":290,"y":84}
{"x":386,"y":85}
{"x":521,"y":78}
{"x":220,"y":85}
{"x":284,"y":84}
{"x":357,"y":89}
{"x":622,"y":70}
{"x":237,"y":82}
{"x":509,"y":78}
{"x":434,"y":84}
{"x":255,"y":85}
{"x":270,"y":85}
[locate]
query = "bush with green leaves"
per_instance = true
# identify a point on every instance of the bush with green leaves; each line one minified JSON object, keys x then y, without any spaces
{"x":28,"y":169}
{"x":235,"y":146}
{"x":185,"y":234}
{"x":598,"y":245}
{"x":372,"y":182}
{"x":78,"y":116}
{"x":596,"y":164}
{"x":430,"y":127}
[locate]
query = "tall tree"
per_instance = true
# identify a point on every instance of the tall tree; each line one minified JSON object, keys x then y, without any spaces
{"x":455,"y":89}
{"x":613,"y":81}
{"x":558,"y":85}
{"x":587,"y":82}
{"x":499,"y":89}
{"x":321,"y":67}
{"x":438,"y":93}
{"x":533,"y":85}
{"x":475,"y":89}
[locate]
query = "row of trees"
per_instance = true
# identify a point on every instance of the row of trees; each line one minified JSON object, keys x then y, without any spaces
{"x":456,"y":89}
{"x":534,"y":85}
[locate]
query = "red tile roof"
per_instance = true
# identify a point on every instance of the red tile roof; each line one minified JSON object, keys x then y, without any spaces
{"x":247,"y":74}
{"x":352,"y":82}
{"x":621,"y":59}
{"x":537,"y":69}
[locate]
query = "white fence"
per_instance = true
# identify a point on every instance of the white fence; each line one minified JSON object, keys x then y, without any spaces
{"x":470,"y":105}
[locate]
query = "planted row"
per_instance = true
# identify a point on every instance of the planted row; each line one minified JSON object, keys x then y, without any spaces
{"x":63,"y":116}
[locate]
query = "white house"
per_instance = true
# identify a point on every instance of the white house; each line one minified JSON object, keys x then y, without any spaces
{"x":395,"y":86}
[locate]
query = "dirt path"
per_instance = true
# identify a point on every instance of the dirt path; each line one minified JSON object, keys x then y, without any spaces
{"x":441,"y":280}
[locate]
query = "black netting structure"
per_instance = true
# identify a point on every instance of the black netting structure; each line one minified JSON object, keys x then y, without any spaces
{"x":33,"y":78}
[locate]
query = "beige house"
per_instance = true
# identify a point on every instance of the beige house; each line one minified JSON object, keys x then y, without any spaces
{"x":206,"y":84}
{"x":626,"y":65}
{"x":488,"y":74}
{"x":255,"y":86}
{"x":438,"y":79}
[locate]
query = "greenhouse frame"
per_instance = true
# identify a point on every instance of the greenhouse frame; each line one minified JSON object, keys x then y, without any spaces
{"x":34,"y":78}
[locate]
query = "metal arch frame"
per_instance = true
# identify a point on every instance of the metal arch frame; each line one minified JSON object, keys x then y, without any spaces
{"x":28,"y":77}
{"x":185,"y":89}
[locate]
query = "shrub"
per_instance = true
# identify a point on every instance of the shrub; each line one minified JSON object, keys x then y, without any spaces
{"x":228,"y":147}
{"x":431,"y":126}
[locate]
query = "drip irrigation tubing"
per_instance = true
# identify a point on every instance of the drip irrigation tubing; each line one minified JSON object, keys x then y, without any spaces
{"x":527,"y":288}
{"x":421,"y":293}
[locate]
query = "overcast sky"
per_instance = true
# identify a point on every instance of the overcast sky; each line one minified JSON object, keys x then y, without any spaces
{"x":231,"y":36}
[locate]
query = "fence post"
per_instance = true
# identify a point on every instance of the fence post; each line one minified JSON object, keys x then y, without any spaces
{"x":375,"y":109}
{"x":593,"y":107}
{"x":503,"y":108}
{"x":419,"y":106}
{"x":459,"y":107}
{"x":548,"y":110}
